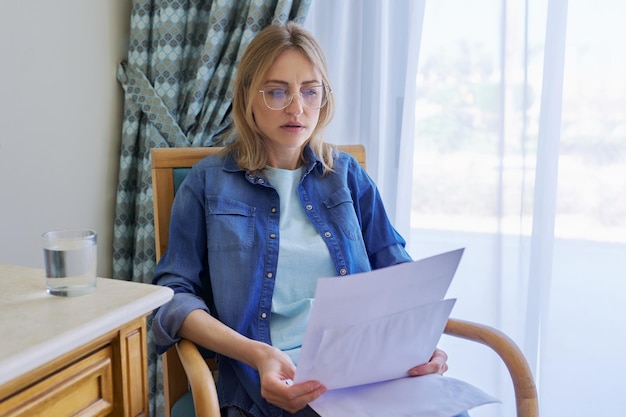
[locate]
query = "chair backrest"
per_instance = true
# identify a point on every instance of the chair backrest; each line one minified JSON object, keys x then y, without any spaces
{"x":169,"y":167}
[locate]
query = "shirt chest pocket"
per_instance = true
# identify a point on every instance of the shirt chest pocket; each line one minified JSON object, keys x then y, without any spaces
{"x":229,"y":224}
{"x":341,"y":208}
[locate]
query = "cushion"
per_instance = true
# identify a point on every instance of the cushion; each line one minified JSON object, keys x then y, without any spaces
{"x":184,"y":406}
{"x":179,"y":176}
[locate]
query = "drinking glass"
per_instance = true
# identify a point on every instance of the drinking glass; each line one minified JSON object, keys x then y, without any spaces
{"x":70,"y":258}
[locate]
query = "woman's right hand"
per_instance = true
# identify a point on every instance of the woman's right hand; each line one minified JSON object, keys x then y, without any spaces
{"x":274,"y":366}
{"x":277,"y":371}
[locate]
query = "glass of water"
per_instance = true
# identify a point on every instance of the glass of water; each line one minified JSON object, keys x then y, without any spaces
{"x":70,"y":258}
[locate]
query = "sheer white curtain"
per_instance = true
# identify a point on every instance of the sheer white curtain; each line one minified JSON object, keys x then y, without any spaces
{"x":520,"y":156}
{"x":514,"y":146}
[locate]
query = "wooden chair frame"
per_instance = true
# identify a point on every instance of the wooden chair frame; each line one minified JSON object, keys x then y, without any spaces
{"x":183,"y":365}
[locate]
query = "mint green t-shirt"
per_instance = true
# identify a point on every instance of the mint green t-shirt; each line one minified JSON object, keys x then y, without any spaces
{"x":303,"y":257}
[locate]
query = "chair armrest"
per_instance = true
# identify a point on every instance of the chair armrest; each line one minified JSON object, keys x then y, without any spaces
{"x":200,"y":379}
{"x":205,"y":394}
{"x":511,"y":355}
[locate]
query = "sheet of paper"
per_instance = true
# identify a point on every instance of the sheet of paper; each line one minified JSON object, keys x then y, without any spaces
{"x":427,"y":396}
{"x":377,"y":296}
{"x":410,"y":335}
{"x":367,"y":330}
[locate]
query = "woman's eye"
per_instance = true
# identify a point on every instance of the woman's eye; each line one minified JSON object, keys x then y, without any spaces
{"x":278,"y":93}
{"x":310,"y":92}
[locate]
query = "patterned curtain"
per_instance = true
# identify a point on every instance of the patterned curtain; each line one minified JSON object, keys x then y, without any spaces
{"x":177,"y":82}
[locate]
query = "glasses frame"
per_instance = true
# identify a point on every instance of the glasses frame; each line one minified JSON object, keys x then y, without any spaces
{"x":326,"y":90}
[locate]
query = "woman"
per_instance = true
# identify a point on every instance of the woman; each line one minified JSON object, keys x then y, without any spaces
{"x":254,"y":227}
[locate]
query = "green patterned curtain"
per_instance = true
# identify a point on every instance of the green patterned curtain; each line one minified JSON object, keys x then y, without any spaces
{"x":177,"y":82}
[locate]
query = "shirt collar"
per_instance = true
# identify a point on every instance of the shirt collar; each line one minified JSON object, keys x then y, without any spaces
{"x":311,"y":158}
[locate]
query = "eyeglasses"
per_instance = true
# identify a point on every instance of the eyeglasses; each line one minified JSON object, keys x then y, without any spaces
{"x":277,"y":98}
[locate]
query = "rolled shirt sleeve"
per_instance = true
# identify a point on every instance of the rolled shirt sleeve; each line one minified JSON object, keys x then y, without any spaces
{"x":170,"y":317}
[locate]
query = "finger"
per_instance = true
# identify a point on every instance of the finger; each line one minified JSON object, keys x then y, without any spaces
{"x":436,"y":365}
{"x":298,"y":403}
{"x":439,"y":355}
{"x":304,"y":399}
{"x":292,"y":397}
{"x":425,"y":369}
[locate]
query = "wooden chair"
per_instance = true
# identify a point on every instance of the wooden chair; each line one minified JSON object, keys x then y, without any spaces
{"x":183,"y":365}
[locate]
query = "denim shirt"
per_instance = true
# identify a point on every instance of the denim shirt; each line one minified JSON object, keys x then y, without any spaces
{"x":223,"y":251}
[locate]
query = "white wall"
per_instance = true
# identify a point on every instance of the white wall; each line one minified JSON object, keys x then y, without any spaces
{"x":60,"y":121}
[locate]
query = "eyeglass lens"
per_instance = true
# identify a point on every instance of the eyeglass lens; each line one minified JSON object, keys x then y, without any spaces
{"x":278,"y":98}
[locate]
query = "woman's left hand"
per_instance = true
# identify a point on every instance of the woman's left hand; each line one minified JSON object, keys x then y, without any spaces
{"x":436,"y":365}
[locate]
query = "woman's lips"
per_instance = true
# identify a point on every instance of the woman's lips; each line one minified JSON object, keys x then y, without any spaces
{"x":293,"y":127}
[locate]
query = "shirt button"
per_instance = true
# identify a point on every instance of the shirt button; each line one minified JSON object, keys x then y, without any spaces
{"x":273,"y":209}
{"x":309,"y":207}
{"x":327,"y":234}
{"x":269,"y":275}
{"x":343,"y":271}
{"x":263,"y":315}
{"x":261,"y":181}
{"x":273,"y":235}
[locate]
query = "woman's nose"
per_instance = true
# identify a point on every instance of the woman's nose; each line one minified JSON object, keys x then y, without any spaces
{"x":296,"y":105}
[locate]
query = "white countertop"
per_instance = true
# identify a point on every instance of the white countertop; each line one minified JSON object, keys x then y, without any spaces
{"x":37,"y":327}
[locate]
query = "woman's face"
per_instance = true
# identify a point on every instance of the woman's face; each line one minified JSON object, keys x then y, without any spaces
{"x":286,"y":130}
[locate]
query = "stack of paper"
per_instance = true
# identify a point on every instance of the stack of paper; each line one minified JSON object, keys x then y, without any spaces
{"x":367,"y":330}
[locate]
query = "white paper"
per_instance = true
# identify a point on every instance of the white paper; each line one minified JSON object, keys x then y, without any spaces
{"x":419,"y":330}
{"x":424,"y":396}
{"x":367,"y":330}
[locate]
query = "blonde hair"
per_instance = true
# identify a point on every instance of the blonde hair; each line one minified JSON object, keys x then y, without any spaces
{"x":249,"y":148}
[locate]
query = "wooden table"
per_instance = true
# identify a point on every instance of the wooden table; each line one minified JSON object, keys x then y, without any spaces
{"x":61,"y":356}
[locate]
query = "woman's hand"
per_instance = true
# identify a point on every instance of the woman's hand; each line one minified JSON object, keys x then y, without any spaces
{"x":277,"y":371}
{"x":274,"y":366}
{"x":436,"y":365}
